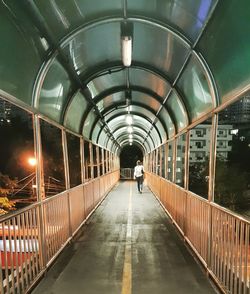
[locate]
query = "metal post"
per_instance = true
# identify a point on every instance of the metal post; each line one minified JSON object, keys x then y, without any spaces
{"x":82,"y":160}
{"x":67,"y":177}
{"x":40,"y":189}
{"x":103,"y":162}
{"x":91,"y":160}
{"x":97,"y":161}
{"x":174,"y":160}
{"x":212,"y":161}
{"x":66,"y":160}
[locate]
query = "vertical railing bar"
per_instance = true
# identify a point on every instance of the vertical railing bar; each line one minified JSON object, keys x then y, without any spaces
{"x":246,"y":260}
{"x":222,"y":228}
{"x":36,"y":240}
{"x":43,"y":225}
{"x":226,"y":240}
{"x":54,"y":222}
{"x":16,"y":255}
{"x":11,"y":257}
{"x":228,"y":252}
{"x":217,"y":242}
{"x":1,"y":266}
{"x":1,"y":271}
{"x":236,"y":257}
{"x":21,"y":252}
{"x":231,"y":256}
{"x":32,"y":253}
{"x":51,"y":228}
{"x":27,"y":249}
{"x":240,"y":257}
{"x":6,"y":259}
{"x":225,"y":231}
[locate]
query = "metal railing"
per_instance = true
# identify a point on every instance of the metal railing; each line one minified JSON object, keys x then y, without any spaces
{"x":31,"y":238}
{"x":220,"y":238}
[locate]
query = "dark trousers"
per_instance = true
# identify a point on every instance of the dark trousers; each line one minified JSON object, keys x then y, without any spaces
{"x":139,"y":183}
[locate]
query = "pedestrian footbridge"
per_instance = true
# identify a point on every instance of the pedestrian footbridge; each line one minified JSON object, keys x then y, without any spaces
{"x":87,"y":88}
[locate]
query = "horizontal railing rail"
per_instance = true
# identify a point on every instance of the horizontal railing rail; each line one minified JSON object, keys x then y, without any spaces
{"x":31,"y":238}
{"x":219,"y":237}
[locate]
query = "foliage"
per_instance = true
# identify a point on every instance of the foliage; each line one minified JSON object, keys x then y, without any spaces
{"x":6,"y":187}
{"x":6,"y":205}
{"x":198,"y":180}
{"x":231,"y":183}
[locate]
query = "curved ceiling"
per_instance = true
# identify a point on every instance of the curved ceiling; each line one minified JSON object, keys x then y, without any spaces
{"x":70,"y":53}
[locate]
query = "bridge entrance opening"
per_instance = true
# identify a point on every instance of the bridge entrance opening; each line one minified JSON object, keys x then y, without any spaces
{"x":128,"y":157}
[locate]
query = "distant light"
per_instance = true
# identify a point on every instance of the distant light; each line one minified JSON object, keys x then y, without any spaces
{"x":32,"y":161}
{"x":130,"y":144}
{"x":129,"y":119}
{"x":130,"y":140}
{"x":8,"y":120}
{"x":130,"y":136}
{"x":234,"y":132}
{"x":130,"y":129}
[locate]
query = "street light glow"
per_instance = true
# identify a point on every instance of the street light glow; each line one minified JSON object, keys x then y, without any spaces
{"x":32,"y":161}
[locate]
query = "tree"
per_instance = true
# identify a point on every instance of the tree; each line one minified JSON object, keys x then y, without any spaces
{"x":230,"y":185}
{"x":6,"y":187}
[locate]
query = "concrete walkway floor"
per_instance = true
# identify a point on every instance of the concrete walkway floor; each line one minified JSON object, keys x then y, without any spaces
{"x":128,"y":245}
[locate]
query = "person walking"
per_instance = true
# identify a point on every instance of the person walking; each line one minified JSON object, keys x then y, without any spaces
{"x":138,"y":175}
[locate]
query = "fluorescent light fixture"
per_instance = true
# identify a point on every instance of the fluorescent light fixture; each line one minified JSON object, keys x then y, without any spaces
{"x":130,"y":129}
{"x":130,"y":136}
{"x":129,"y":119}
{"x":130,"y":140}
{"x":126,"y":50}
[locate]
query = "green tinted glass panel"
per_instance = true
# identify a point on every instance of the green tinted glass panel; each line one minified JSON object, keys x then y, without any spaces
{"x":21,"y":52}
{"x":55,"y":91}
{"x":149,"y":101}
{"x":227,"y":35}
{"x":194,"y":87}
{"x":107,"y":81}
{"x":146,"y":79}
{"x":162,"y":131}
{"x":96,"y":132}
{"x":86,"y":49}
{"x":178,"y":111}
{"x":166,"y":119}
{"x":168,"y":57}
{"x":63,"y":16}
{"x":136,"y":109}
{"x":88,"y":124}
{"x":155,"y":135}
{"x":102,"y":138}
{"x":75,"y":112}
{"x":187,"y":16}
{"x":110,"y":100}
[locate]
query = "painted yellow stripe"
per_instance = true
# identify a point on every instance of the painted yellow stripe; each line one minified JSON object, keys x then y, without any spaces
{"x":127,"y":268}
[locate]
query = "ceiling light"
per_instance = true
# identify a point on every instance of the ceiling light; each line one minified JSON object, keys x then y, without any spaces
{"x":130,"y":140}
{"x":126,"y":50}
{"x":129,"y":119}
{"x":130,"y":129}
{"x":130,"y":136}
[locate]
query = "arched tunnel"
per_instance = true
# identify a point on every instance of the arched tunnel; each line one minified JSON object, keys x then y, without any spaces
{"x":87,"y":89}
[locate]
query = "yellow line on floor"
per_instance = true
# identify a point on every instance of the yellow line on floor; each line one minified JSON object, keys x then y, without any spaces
{"x":127,"y":268}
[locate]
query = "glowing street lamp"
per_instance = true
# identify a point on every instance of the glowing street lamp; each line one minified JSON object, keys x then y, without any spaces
{"x":32,"y":161}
